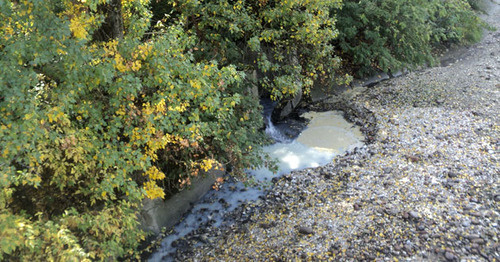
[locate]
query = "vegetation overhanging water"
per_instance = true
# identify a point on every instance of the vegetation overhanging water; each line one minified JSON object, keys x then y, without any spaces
{"x":327,"y":135}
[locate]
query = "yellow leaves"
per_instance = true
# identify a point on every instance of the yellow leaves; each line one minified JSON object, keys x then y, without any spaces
{"x":195,"y":84}
{"x":180,"y":108}
{"x":153,"y":190}
{"x":8,"y":31}
{"x":208,"y":164}
{"x":5,"y":152}
{"x":136,"y":65}
{"x":55,"y":115}
{"x":148,"y":109}
{"x":121,"y":111}
{"x":61,"y":52}
{"x":207,"y":70}
{"x":143,"y":50}
{"x":161,"y":106}
{"x":78,"y":28}
{"x":28,"y":116}
{"x":120,"y":63}
{"x":154,"y":173}
{"x":80,"y":21}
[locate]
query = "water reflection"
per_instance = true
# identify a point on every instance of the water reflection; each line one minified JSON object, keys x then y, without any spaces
{"x":328,"y":134}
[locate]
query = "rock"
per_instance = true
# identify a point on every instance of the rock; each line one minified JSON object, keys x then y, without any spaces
{"x":306,"y":230}
{"x":413,"y":158}
{"x":392,"y":211}
{"x":497,"y":197}
{"x":472,"y":236}
{"x":268,"y":225}
{"x":203,"y":238}
{"x":414,"y":214}
{"x":469,"y":207}
{"x":408,"y":248}
{"x":476,"y":214}
{"x":285,"y":108}
{"x":478,"y":241}
{"x":449,"y":256}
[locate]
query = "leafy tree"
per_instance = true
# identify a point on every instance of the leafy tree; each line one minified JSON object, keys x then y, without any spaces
{"x":94,"y":119}
{"x":388,"y":35}
{"x":99,"y":109}
{"x":288,"y":43}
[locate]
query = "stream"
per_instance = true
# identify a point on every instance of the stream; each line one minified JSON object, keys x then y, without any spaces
{"x":328,"y":134}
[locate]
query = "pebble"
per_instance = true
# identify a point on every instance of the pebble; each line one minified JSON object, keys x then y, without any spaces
{"x":429,"y":183}
{"x":449,"y":256}
{"x":414,"y":215}
{"x":306,"y":230}
{"x":478,"y":241}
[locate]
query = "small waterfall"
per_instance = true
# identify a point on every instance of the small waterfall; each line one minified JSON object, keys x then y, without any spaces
{"x":275,"y":133}
{"x":328,"y":134}
{"x":271,"y":130}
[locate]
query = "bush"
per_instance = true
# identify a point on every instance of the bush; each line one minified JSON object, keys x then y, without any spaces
{"x":288,"y":43}
{"x":99,"y":110}
{"x":455,"y":22}
{"x":389,"y":35}
{"x":94,"y":120}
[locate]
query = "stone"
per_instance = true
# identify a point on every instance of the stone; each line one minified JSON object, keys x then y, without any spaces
{"x":449,"y":256}
{"x":475,"y":221}
{"x":306,"y":230}
{"x":268,"y":225}
{"x":414,"y":214}
{"x":387,"y":170}
{"x":478,"y":241}
{"x":476,"y":214}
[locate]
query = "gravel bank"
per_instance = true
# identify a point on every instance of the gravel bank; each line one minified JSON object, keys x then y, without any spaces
{"x":426,"y":187}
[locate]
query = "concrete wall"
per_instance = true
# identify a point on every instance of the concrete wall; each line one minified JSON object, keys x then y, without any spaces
{"x":158,"y":213}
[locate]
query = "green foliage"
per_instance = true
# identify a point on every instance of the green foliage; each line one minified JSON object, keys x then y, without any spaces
{"x":455,"y":22}
{"x":89,"y":128}
{"x":98,"y":115}
{"x":287,"y":42}
{"x":388,"y":35}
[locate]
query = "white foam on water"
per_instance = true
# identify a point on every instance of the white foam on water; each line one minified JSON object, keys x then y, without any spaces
{"x":327,"y":135}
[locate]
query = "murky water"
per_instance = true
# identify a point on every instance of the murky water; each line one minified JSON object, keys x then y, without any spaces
{"x":328,"y":134}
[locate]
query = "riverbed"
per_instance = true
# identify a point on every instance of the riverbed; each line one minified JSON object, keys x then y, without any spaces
{"x":426,"y":187}
{"x":328,"y":134}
